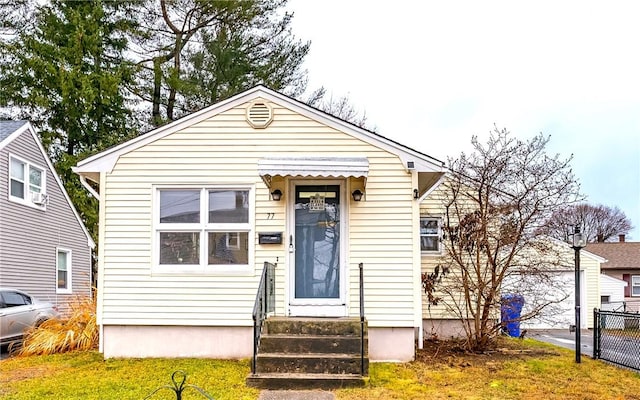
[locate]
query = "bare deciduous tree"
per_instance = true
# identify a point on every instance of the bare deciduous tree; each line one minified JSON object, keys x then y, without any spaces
{"x":340,"y":107}
{"x":496,"y":199}
{"x":595,"y":221}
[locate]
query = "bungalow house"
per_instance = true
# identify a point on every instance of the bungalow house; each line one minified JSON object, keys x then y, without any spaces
{"x":45,"y":248}
{"x":191,"y":211}
{"x":623,"y":263}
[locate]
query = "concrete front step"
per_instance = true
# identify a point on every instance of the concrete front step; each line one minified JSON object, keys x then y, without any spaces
{"x":289,"y":381}
{"x":314,"y":326}
{"x":311,"y":353}
{"x":315,"y":344}
{"x":311,"y":363}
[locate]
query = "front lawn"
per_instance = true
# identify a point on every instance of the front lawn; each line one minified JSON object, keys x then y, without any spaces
{"x":519,"y":370}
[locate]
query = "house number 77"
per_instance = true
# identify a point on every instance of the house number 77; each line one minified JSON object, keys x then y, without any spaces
{"x":271,"y":215}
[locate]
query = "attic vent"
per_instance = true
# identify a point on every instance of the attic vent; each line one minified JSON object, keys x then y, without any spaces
{"x":259,"y":114}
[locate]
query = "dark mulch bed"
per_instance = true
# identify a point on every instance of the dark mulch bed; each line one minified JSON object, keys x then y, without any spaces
{"x":453,"y":353}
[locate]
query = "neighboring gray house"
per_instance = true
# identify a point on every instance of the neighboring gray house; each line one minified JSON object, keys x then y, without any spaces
{"x":45,"y":248}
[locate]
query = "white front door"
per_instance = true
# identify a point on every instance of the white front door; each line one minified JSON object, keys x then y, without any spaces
{"x":316,"y":262}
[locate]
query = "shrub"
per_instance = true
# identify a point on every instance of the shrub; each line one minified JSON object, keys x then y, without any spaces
{"x":75,"y":331}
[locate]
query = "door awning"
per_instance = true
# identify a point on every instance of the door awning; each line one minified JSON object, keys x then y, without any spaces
{"x":314,"y":167}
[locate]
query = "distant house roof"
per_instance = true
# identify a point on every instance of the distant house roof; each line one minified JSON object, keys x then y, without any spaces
{"x":9,"y":127}
{"x":620,"y":255}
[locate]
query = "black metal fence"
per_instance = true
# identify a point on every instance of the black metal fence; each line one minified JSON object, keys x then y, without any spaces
{"x":616,"y":338}
{"x":265,"y":303}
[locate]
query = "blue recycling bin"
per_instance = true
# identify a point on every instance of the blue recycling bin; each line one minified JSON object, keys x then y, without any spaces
{"x":510,"y":309}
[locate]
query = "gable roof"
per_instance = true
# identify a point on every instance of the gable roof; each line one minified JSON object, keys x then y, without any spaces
{"x":613,"y":280}
{"x":620,"y":255}
{"x":566,"y":246}
{"x":412,"y":159}
{"x":9,"y":130}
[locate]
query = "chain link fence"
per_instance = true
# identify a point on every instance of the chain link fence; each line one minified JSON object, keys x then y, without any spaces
{"x":616,"y":338}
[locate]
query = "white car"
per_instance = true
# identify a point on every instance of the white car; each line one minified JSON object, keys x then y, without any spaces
{"x":20,"y":311}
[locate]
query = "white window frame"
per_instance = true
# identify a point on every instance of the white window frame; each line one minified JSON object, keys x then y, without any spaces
{"x":204,"y":228}
{"x":69,"y":288}
{"x":437,"y":235}
{"x":635,"y":282}
{"x":27,"y":192}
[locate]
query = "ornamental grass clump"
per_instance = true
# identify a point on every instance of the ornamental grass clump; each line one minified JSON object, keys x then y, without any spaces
{"x":77,"y":330}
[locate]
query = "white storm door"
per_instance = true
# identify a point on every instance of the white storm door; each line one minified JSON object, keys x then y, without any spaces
{"x":316,"y":259}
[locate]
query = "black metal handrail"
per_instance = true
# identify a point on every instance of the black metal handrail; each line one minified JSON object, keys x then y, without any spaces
{"x":361,"y":267}
{"x":265,"y":303}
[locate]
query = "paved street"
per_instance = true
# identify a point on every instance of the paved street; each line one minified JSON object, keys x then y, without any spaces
{"x":564,"y":338}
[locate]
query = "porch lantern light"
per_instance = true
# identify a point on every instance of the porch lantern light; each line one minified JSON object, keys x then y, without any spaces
{"x":276,"y":195}
{"x":357,"y":195}
{"x":579,"y":241}
{"x":416,"y":194}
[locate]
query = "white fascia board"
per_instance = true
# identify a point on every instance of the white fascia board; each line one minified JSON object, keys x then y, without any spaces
{"x":14,"y":135}
{"x":105,"y":161}
{"x":592,"y":256}
{"x":614,"y":280}
{"x":422,"y":162}
{"x":583,"y":252}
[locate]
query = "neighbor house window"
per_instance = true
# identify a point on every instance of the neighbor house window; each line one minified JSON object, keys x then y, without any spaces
{"x":25,"y":180}
{"x":63,"y":271}
{"x":430,"y":234}
{"x":203,"y":227}
{"x":635,"y":285}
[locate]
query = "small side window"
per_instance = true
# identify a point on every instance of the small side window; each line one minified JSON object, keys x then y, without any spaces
{"x":63,"y":269}
{"x":430,"y":234}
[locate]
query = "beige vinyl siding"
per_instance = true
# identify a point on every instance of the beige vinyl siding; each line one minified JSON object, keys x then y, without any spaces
{"x":433,"y":206}
{"x":29,"y":236}
{"x":225,"y":150}
{"x":591,"y":268}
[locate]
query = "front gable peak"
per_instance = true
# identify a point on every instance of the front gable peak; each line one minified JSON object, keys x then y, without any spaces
{"x":259,"y":115}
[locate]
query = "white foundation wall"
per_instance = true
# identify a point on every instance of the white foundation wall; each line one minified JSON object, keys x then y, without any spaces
{"x":119,"y":341}
{"x":443,"y":329}
{"x":177,"y":341}
{"x":392,"y":344}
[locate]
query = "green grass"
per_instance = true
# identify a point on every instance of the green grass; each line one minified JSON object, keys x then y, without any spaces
{"x":85,"y":375}
{"x":547,"y":372}
{"x":542,"y":372}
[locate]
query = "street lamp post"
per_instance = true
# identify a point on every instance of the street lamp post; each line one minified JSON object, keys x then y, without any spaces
{"x":579,"y":241}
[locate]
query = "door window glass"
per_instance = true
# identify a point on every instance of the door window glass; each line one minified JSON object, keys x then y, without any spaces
{"x":317,"y":241}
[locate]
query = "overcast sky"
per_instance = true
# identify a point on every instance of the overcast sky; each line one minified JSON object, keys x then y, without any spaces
{"x":430,"y":74}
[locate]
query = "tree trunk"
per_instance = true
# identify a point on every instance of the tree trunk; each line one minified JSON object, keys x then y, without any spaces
{"x":156,"y":118}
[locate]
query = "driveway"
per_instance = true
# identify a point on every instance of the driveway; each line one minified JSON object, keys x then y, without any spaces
{"x":564,"y":338}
